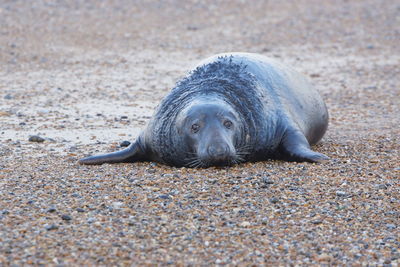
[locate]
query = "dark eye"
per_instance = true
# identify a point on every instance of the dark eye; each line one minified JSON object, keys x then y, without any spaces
{"x":195,"y":128}
{"x":228,"y":124}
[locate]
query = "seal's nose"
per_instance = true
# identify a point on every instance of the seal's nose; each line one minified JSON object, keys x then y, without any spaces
{"x":218,"y":151}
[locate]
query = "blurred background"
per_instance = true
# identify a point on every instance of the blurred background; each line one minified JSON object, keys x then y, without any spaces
{"x":50,"y":32}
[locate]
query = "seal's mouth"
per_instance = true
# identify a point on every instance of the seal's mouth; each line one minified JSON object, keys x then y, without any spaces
{"x":232,"y":158}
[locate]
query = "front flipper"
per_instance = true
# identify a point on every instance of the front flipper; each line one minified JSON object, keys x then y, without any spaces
{"x":133,"y":153}
{"x":295,"y":147}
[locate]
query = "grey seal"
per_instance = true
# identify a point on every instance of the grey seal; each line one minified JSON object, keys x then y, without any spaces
{"x":231,"y":108}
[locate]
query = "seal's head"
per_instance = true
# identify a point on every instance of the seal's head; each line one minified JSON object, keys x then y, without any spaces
{"x":209,"y":130}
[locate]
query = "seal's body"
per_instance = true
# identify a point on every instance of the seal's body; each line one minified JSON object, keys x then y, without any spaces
{"x":232,"y":108}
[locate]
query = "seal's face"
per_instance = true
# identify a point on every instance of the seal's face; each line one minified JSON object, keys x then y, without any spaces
{"x":209,"y":131}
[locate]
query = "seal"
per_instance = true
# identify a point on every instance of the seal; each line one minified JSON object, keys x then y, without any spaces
{"x":231,"y":108}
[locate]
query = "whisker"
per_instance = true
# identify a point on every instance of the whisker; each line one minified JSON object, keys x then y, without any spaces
{"x":194,"y":162}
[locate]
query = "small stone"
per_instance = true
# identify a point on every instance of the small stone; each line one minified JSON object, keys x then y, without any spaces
{"x":390,"y":226}
{"x":66,"y":217}
{"x":8,"y":97}
{"x":51,"y":209}
{"x":381,"y":186}
{"x":317,"y":221}
{"x":235,"y":187}
{"x":192,"y":28}
{"x":264,"y":221}
{"x":245,"y":224}
{"x":124,"y":117}
{"x":4,"y":114}
{"x":36,"y":138}
{"x":124,"y":144}
{"x":164,"y":196}
{"x":387,"y":261}
{"x":273,"y":200}
{"x":324,"y":257}
{"x":80,"y":210}
{"x":341,"y":193}
{"x":51,"y":227}
{"x":266,"y":180}
{"x":151,"y":170}
{"x":117,"y":205}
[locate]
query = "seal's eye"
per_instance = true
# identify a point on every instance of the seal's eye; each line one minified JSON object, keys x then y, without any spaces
{"x":228,"y":124}
{"x":195,"y":128}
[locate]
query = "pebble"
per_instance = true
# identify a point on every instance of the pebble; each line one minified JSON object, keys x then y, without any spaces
{"x":36,"y":138}
{"x":267,"y":180}
{"x":51,"y":209}
{"x":8,"y":97}
{"x":117,"y":204}
{"x":124,"y":143}
{"x":274,"y":200}
{"x":381,"y":186}
{"x":66,"y":217}
{"x":80,"y":210}
{"x":245,"y":224}
{"x":324,"y":257}
{"x":151,"y":171}
{"x":317,"y":221}
{"x":51,"y":227}
{"x":391,"y":226}
{"x":341,"y":193}
{"x":264,"y":221}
